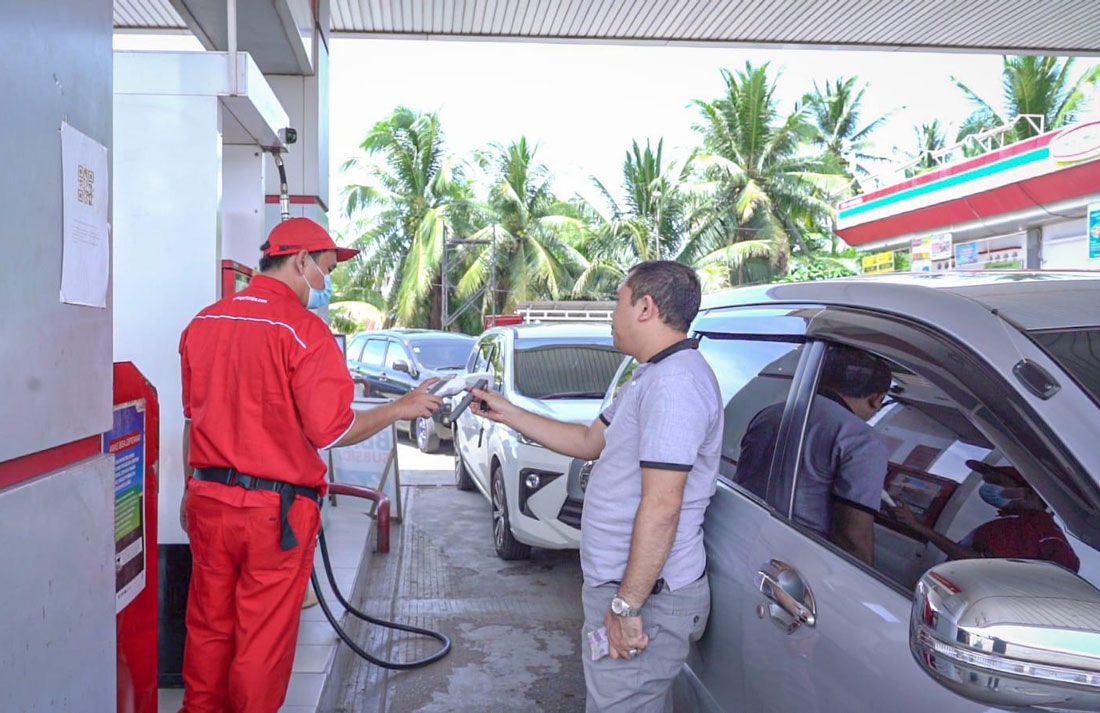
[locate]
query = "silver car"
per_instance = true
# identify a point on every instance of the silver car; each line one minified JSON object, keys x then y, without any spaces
{"x":978,"y":591}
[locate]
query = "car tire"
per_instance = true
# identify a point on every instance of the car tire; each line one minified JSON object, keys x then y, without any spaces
{"x":463,"y":481}
{"x":424,"y":434}
{"x":505,"y":543}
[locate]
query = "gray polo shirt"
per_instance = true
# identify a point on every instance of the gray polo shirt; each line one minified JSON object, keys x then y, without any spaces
{"x":843,"y":458}
{"x":669,"y":416}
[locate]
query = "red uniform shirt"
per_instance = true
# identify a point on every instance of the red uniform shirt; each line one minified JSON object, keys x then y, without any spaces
{"x":264,"y":386}
{"x":1024,"y":534}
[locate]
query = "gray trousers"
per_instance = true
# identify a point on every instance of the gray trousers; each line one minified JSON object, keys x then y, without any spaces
{"x":643,"y":684}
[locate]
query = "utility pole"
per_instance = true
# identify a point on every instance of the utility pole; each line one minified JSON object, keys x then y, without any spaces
{"x":657,"y":232}
{"x":447,"y":318}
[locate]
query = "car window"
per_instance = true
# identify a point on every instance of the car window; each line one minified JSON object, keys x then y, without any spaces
{"x":894,"y":473}
{"x":481,"y":356}
{"x":496,"y":362}
{"x":396,"y":353}
{"x":442,"y":353}
{"x":374,"y":353}
{"x":564,"y":371}
{"x":755,"y":377}
{"x":355,"y":348}
{"x":1078,"y":352}
{"x":626,"y":370}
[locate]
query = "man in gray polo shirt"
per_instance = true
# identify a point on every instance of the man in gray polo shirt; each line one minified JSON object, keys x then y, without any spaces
{"x":658,"y":446}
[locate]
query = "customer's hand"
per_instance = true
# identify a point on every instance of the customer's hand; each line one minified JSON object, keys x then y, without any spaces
{"x":500,"y":409}
{"x":624,"y":635}
{"x":418,"y":403}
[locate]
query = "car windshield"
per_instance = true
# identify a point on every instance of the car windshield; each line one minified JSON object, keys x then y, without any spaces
{"x":565,"y":371}
{"x":1078,"y":352}
{"x":443,"y":353}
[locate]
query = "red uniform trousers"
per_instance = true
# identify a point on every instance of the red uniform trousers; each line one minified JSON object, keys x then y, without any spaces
{"x":245,"y":599}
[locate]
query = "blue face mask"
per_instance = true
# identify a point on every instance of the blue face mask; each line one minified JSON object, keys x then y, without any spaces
{"x":320,"y":298}
{"x":994,"y":495}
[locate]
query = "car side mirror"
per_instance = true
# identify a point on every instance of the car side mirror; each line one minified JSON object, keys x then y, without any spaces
{"x":403,"y":366}
{"x":1017,"y":634}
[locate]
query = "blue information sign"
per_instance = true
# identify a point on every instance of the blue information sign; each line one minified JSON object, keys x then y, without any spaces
{"x":1094,"y":231}
{"x":126,"y":442}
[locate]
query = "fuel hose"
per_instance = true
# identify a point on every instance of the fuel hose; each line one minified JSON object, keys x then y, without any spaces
{"x":358,"y":650}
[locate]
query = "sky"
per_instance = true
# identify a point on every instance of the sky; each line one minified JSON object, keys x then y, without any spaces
{"x":582,"y":104}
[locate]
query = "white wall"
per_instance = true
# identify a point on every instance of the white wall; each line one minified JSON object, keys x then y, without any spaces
{"x":243,"y":228}
{"x":55,"y":359}
{"x":1065,"y":247}
{"x":167,"y":165}
{"x":57,"y":626}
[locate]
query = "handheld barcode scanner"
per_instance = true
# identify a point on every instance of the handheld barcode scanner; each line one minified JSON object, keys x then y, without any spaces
{"x":477,"y":380}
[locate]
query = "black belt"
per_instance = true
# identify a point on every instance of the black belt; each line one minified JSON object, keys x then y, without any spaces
{"x":286,"y":491}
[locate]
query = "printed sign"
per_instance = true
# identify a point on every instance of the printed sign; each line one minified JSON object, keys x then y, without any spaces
{"x":372,"y":463}
{"x":966,"y":254}
{"x":126,"y":442}
{"x":1076,"y":144}
{"x":878,"y":263}
{"x":1094,"y":231}
{"x":920,"y":252}
{"x":941,"y":246}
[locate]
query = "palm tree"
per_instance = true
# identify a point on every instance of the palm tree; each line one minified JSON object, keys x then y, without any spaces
{"x":533,"y":255}
{"x":837,"y":128}
{"x":400,"y":214}
{"x":930,"y":138}
{"x":1032,"y":85}
{"x":648,"y":224}
{"x":768,"y":190}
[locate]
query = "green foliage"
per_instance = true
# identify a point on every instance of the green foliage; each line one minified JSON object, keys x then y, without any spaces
{"x":754,"y":202}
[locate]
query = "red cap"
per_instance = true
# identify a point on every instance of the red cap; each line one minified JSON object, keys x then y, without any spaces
{"x":1005,"y":470}
{"x":298,"y":234}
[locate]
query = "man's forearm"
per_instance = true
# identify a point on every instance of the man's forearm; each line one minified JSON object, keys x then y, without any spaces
{"x":569,"y":439}
{"x":654,"y":532}
{"x":368,"y":423}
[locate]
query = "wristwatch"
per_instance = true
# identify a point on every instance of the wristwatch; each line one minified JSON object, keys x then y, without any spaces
{"x":620,"y":607}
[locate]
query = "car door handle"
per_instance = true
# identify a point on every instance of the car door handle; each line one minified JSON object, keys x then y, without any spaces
{"x":792,"y":602}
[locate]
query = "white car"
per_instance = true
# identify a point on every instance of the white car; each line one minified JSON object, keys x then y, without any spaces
{"x":561,"y":371}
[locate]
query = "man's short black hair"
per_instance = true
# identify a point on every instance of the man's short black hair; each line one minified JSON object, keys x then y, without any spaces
{"x":853,"y":372}
{"x":270,"y":262}
{"x":674,"y":288}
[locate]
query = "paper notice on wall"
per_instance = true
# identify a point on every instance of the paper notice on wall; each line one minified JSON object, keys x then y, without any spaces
{"x":86,"y":256}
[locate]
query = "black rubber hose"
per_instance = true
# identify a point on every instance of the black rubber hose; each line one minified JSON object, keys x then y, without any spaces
{"x":396,"y":666}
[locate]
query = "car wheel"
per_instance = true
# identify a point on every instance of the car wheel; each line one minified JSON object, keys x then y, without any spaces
{"x":507,"y":546}
{"x":463,"y":481}
{"x":426,"y":439}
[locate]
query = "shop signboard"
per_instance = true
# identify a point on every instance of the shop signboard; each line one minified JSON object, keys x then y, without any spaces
{"x":921,"y":255}
{"x":1094,"y":231}
{"x":966,"y":255}
{"x":941,"y":246}
{"x":878,"y":263}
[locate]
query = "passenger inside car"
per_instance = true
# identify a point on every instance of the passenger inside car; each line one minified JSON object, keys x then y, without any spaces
{"x":1024,"y":527}
{"x":844,"y":460}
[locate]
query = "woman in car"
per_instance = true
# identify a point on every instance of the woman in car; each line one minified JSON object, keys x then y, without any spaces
{"x":1024,"y":527}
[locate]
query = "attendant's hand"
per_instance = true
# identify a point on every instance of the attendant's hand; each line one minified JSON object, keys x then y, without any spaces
{"x":625,"y":636}
{"x":418,"y":403}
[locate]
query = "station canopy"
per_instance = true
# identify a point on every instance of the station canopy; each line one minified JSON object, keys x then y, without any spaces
{"x":1058,"y":27}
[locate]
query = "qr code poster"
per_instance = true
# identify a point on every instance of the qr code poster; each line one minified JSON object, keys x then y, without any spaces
{"x":85,"y":185}
{"x":86,"y":256}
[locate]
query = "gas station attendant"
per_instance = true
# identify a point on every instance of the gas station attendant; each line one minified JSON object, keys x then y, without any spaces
{"x":265,"y":386}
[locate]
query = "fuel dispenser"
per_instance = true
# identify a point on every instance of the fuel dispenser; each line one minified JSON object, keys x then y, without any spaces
{"x":134,"y":444}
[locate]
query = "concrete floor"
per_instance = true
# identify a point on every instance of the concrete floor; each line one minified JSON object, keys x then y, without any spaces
{"x":515,"y":626}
